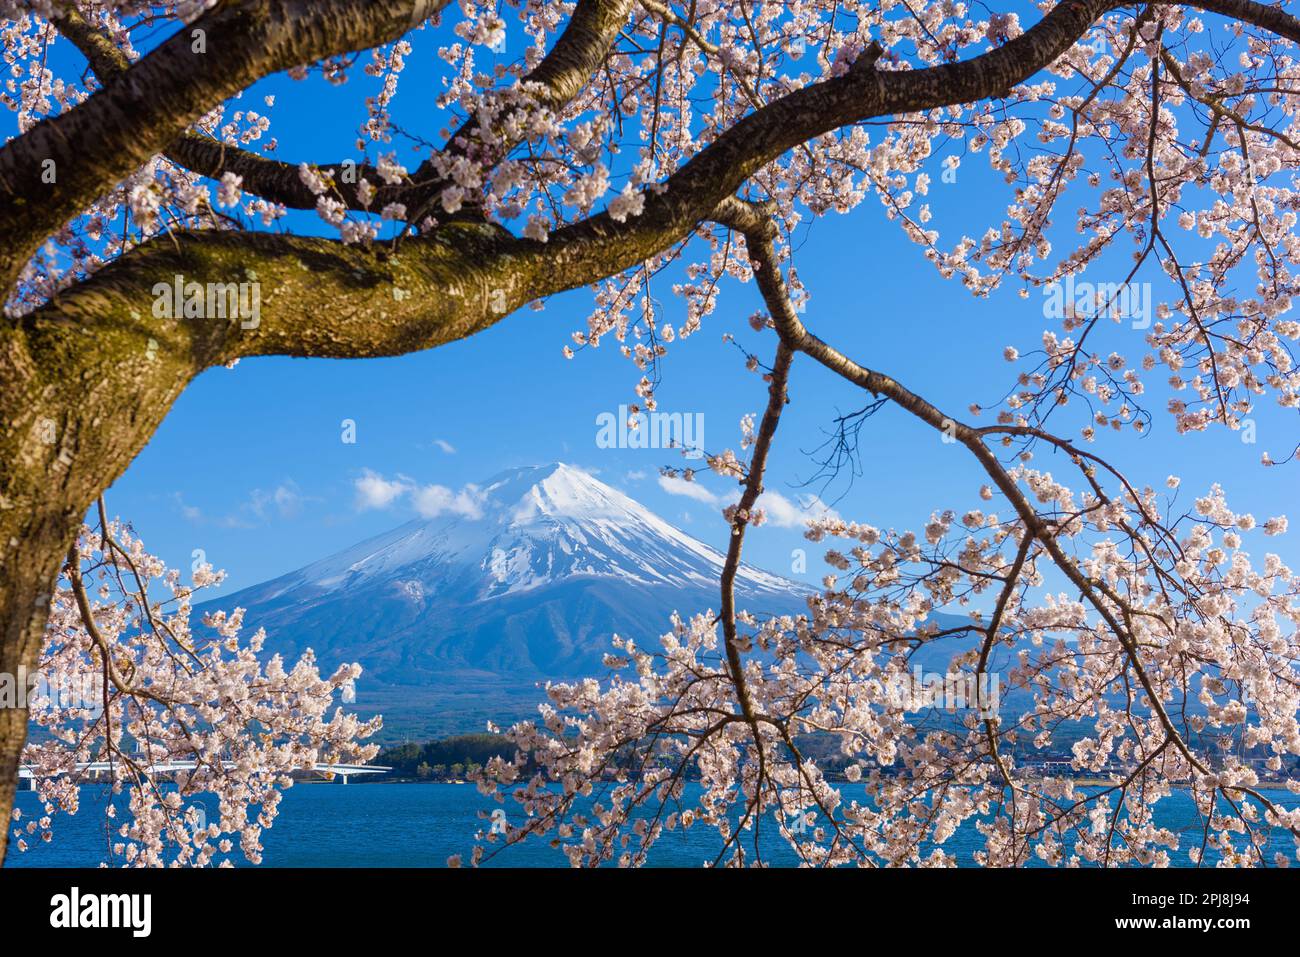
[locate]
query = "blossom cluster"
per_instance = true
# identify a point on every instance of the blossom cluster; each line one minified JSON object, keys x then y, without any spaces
{"x":199,"y":731}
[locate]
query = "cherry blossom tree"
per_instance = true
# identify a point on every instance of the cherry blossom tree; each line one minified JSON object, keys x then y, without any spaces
{"x":597,"y":144}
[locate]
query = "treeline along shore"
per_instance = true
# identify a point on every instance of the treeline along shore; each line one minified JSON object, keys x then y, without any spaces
{"x":455,"y":758}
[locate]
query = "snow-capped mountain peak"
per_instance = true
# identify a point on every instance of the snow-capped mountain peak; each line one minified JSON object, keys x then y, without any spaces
{"x":554,"y":491}
{"x":530,"y":527}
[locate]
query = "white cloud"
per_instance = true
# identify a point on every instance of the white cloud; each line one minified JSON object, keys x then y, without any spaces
{"x":191,"y":513}
{"x":445,"y":446}
{"x":434,"y":500}
{"x":636,"y":475}
{"x":679,"y":486}
{"x":783,"y":513}
{"x":285,"y":499}
{"x":430,"y":501}
{"x":375,"y":491}
{"x":780,"y":511}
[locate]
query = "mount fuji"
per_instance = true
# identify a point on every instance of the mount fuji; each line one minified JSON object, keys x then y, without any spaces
{"x":456,"y":619}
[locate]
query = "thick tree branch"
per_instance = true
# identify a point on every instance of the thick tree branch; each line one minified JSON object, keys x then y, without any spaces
{"x":585,"y":252}
{"x":1272,"y":18}
{"x":270,"y":179}
{"x":143,"y":111}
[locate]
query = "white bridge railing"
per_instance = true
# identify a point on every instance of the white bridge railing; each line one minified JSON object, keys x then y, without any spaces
{"x":98,"y":769}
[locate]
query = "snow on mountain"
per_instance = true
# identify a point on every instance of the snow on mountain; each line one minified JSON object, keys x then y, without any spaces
{"x":462,"y":615}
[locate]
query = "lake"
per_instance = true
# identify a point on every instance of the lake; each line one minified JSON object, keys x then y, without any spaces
{"x":421,"y":825}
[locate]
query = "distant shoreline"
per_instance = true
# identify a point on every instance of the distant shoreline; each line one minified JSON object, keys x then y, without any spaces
{"x":1084,"y":782}
{"x":1090,"y":782}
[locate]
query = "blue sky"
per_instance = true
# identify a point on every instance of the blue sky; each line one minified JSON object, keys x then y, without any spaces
{"x":250,"y":467}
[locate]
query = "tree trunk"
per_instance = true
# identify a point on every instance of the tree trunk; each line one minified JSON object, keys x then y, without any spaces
{"x":67,"y":430}
{"x":30,"y":556}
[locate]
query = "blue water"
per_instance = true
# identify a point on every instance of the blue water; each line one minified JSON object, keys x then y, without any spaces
{"x":421,"y":825}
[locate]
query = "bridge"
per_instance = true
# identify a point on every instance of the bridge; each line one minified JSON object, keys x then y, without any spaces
{"x":95,"y":770}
